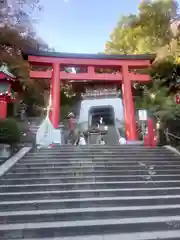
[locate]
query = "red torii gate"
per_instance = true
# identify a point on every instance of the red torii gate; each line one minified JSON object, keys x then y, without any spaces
{"x":123,"y":62}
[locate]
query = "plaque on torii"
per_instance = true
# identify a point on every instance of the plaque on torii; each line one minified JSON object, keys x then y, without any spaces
{"x":100,"y":92}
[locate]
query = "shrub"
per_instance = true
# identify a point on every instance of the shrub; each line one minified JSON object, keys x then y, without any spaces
{"x":9,"y":131}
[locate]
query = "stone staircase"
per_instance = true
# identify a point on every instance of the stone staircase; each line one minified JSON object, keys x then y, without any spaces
{"x":92,"y":193}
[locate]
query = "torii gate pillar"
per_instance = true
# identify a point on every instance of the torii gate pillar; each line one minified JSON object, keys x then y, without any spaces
{"x":55,"y":95}
{"x":129,"y":112}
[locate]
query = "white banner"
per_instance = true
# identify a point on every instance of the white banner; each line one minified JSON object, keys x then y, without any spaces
{"x":142,"y":115}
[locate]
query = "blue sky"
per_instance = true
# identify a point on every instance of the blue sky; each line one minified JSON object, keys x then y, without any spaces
{"x":81,"y":26}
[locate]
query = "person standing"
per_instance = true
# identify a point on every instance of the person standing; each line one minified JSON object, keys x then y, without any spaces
{"x":101,"y":121}
{"x":71,"y":126}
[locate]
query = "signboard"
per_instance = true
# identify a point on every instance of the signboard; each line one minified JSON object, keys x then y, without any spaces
{"x":100,"y":92}
{"x":142,"y":115}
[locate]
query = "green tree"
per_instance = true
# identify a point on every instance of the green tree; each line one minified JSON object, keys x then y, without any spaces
{"x":12,"y":43}
{"x":150,"y":31}
{"x":18,"y":36}
{"x":145,"y":32}
{"x":158,"y":101}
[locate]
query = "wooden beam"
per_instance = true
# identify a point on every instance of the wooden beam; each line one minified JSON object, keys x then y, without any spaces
{"x":139,"y":77}
{"x":89,"y":76}
{"x":91,"y":62}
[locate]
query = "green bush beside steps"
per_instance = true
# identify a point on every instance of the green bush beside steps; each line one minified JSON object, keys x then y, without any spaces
{"x":10,"y":132}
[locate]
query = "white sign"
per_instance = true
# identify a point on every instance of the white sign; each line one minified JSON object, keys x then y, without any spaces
{"x":142,"y":115}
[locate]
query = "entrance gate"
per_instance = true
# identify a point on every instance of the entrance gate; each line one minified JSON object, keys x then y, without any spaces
{"x":124,"y":76}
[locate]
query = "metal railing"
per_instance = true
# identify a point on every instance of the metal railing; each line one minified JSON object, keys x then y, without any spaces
{"x":172,"y":139}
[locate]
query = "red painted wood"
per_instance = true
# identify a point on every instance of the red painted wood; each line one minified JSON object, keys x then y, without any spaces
{"x":3,"y":109}
{"x":91,"y":70}
{"x":146,"y":140}
{"x":150,"y":131}
{"x":124,"y":77}
{"x":6,"y":98}
{"x":90,"y":76}
{"x":55,"y":95}
{"x":91,"y":62}
{"x":4,"y":76}
{"x":51,"y":95}
{"x":130,"y":120}
{"x":125,"y":115}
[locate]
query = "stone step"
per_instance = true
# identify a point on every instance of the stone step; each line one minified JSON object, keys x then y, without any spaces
{"x":77,"y":150}
{"x":88,"y":185}
{"x":87,"y":172}
{"x":70,"y":191}
{"x":88,"y":148}
{"x":97,"y":153}
{"x":116,"y":159}
{"x":80,"y":170}
{"x":82,"y":164}
{"x":97,"y":148}
{"x":163,"y":235}
{"x":84,"y":214}
{"x":90,"y":176}
{"x":91,"y":179}
{"x":109,"y":146}
{"x":87,"y":227}
{"x":92,"y":152}
{"x":100,"y":147}
{"x":105,"y":150}
{"x":39,"y":204}
{"x":147,"y":162}
{"x":94,"y":193}
{"x":99,"y":158}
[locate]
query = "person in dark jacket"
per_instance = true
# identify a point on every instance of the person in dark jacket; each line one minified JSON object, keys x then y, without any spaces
{"x":71,"y":126}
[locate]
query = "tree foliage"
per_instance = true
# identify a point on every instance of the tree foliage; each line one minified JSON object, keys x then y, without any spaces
{"x":18,"y":11}
{"x":150,"y":31}
{"x":17,"y":35}
{"x":145,"y":32}
{"x":10,"y":132}
{"x":12,"y":43}
{"x":159,"y":101}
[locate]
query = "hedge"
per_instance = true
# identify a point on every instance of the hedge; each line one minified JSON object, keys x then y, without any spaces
{"x":9,"y":131}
